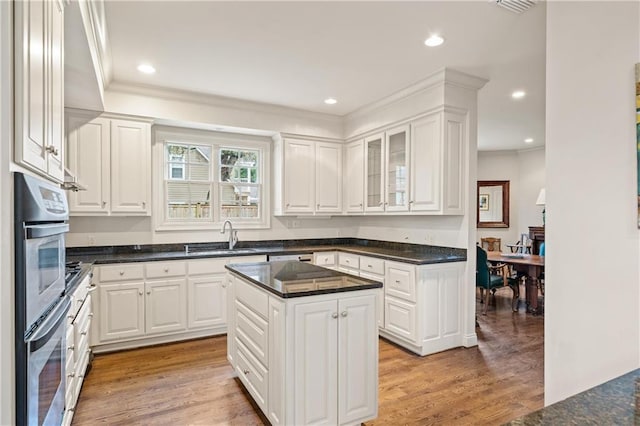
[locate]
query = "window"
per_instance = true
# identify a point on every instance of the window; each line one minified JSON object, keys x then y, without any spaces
{"x":208,"y":178}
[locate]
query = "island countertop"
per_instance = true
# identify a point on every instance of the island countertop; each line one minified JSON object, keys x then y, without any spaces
{"x":297,"y":279}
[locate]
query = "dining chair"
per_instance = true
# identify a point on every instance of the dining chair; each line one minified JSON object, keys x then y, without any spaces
{"x":490,"y":278}
{"x":491,"y":243}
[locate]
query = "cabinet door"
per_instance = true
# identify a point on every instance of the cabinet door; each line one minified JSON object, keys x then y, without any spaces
{"x":397,"y":169}
{"x":165,"y":304}
{"x":400,"y":318}
{"x":207,"y":301}
{"x":121,"y":311}
{"x":375,"y":173}
{"x":426,"y":164}
{"x":454,"y":170}
{"x":231,"y":320}
{"x":315,"y":344}
{"x":130,"y":167}
{"x":31,"y":83}
{"x":88,"y":159}
{"x":357,"y":374}
{"x":379,"y":298}
{"x":328,"y":179}
{"x":354,"y":177}
{"x":299,"y":176}
{"x":55,"y":158}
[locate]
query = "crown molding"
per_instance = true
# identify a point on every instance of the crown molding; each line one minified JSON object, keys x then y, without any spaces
{"x":218,"y":101}
{"x":446,"y":76}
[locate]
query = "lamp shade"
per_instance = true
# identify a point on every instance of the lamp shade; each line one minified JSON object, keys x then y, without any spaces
{"x":541,"y":198}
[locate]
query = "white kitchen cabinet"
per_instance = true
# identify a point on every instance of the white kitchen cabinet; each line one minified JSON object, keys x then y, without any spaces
{"x":307,"y":360}
{"x":380,"y":308}
{"x":299,"y":176}
{"x":437,"y":164}
{"x":78,"y":340}
{"x":39,"y":86}
{"x":121,"y":310}
{"x":386,"y":165}
{"x":423,"y":306}
{"x":207,"y":301}
{"x":326,"y":259}
{"x":366,"y":267}
{"x":353,"y":173}
{"x":165,"y":306}
{"x":112,"y":159}
{"x":311,"y":177}
{"x":147,"y":303}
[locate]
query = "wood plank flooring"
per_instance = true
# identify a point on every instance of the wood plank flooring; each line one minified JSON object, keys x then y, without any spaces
{"x":192,"y":383}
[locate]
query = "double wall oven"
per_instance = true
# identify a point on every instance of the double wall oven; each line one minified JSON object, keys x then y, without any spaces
{"x":41,"y":221}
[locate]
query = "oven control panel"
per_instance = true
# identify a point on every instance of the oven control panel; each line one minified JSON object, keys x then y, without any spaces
{"x":52,"y":200}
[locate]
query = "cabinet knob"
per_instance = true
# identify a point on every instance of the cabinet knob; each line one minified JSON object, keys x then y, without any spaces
{"x":318,"y":206}
{"x":334,"y":315}
{"x":71,"y":348}
{"x":91,"y":315}
{"x":380,"y":203}
{"x":148,"y":291}
{"x":72,"y":409}
{"x":104,"y":204}
{"x":121,"y":273}
{"x":245,"y":372}
{"x":369,"y":266}
{"x":70,"y":317}
{"x":166,"y":269}
{"x":72,"y":374}
{"x":91,"y":288}
{"x":386,"y":204}
{"x":411,"y":202}
{"x":224,"y":286}
{"x":360,"y":204}
{"x":288,"y":205}
{"x":343,"y":314}
{"x":144,"y":204}
{"x":51,"y":149}
{"x":397,"y":281}
{"x":140,"y":292}
{"x":84,"y":333}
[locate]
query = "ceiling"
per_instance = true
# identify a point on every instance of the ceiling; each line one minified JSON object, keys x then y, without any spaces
{"x":297,"y":54}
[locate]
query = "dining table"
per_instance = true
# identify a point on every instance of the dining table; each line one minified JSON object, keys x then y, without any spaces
{"x":531,"y":265}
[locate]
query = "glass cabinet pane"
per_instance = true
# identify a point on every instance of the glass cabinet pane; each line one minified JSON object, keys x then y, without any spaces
{"x":374,"y":173}
{"x":397,"y":169}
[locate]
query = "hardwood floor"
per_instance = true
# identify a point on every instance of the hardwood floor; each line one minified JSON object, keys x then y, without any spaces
{"x":192,"y":383}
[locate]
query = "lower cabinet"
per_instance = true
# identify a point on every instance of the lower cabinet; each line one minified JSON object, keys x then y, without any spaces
{"x":156,"y":302}
{"x":77,"y":341}
{"x":307,"y":360}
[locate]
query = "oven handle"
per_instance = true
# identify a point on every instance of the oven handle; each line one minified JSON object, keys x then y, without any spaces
{"x":39,"y":231}
{"x":44,"y":332}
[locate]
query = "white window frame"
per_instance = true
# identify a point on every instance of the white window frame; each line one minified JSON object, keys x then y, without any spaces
{"x":217,"y":141}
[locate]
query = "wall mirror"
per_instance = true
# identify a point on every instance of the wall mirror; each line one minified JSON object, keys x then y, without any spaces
{"x":493,"y":204}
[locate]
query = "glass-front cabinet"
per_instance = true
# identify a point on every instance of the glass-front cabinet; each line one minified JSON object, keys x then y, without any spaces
{"x":374,"y":169}
{"x":397,"y":169}
{"x":386,"y":166}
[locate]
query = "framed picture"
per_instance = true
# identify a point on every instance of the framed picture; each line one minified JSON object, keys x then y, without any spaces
{"x":483,"y":202}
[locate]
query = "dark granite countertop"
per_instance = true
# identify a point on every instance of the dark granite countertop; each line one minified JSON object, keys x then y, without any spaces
{"x":402,"y":252}
{"x":297,"y":279}
{"x":616,"y":402}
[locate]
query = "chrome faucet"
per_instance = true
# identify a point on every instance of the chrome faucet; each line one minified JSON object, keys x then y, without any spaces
{"x":233,"y":235}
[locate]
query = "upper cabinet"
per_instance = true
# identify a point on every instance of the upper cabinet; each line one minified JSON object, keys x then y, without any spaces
{"x":39,"y":86}
{"x":112,"y":159}
{"x":309,"y":180}
{"x":353,"y":173}
{"x":437,"y":164}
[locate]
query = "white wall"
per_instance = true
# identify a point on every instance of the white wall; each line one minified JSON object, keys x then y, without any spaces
{"x":7,"y":383}
{"x":592,"y":313}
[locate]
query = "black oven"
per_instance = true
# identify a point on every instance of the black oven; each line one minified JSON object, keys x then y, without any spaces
{"x":41,"y":215}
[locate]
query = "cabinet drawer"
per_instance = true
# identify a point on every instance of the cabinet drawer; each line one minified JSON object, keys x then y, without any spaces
{"x":166,"y":269}
{"x":400,"y":318}
{"x":124,"y":272}
{"x":371,"y":265}
{"x":253,"y":375}
{"x":70,"y":367}
{"x":252,"y":331}
{"x":325,"y":258}
{"x":400,"y":282}
{"x":207,"y":266}
{"x":252,"y":298}
{"x":349,"y":260}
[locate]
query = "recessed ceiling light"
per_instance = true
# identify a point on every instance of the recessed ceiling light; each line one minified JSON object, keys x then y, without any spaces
{"x":146,"y":69}
{"x":330,"y":101}
{"x":528,"y":140}
{"x":518,"y":94}
{"x":434,"y":40}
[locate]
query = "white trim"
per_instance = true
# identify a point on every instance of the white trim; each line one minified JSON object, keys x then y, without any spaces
{"x":155,"y":340}
{"x":217,"y":141}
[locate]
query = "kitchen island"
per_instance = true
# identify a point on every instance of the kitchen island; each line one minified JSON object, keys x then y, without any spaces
{"x":304,"y":341}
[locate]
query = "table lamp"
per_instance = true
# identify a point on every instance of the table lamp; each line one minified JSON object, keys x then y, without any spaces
{"x":541,"y":202}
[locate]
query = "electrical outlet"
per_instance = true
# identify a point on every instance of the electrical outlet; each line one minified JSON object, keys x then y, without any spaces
{"x":91,"y":240}
{"x":295,"y":224}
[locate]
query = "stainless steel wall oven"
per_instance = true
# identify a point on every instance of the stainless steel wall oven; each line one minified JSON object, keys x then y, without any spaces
{"x":41,"y":215}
